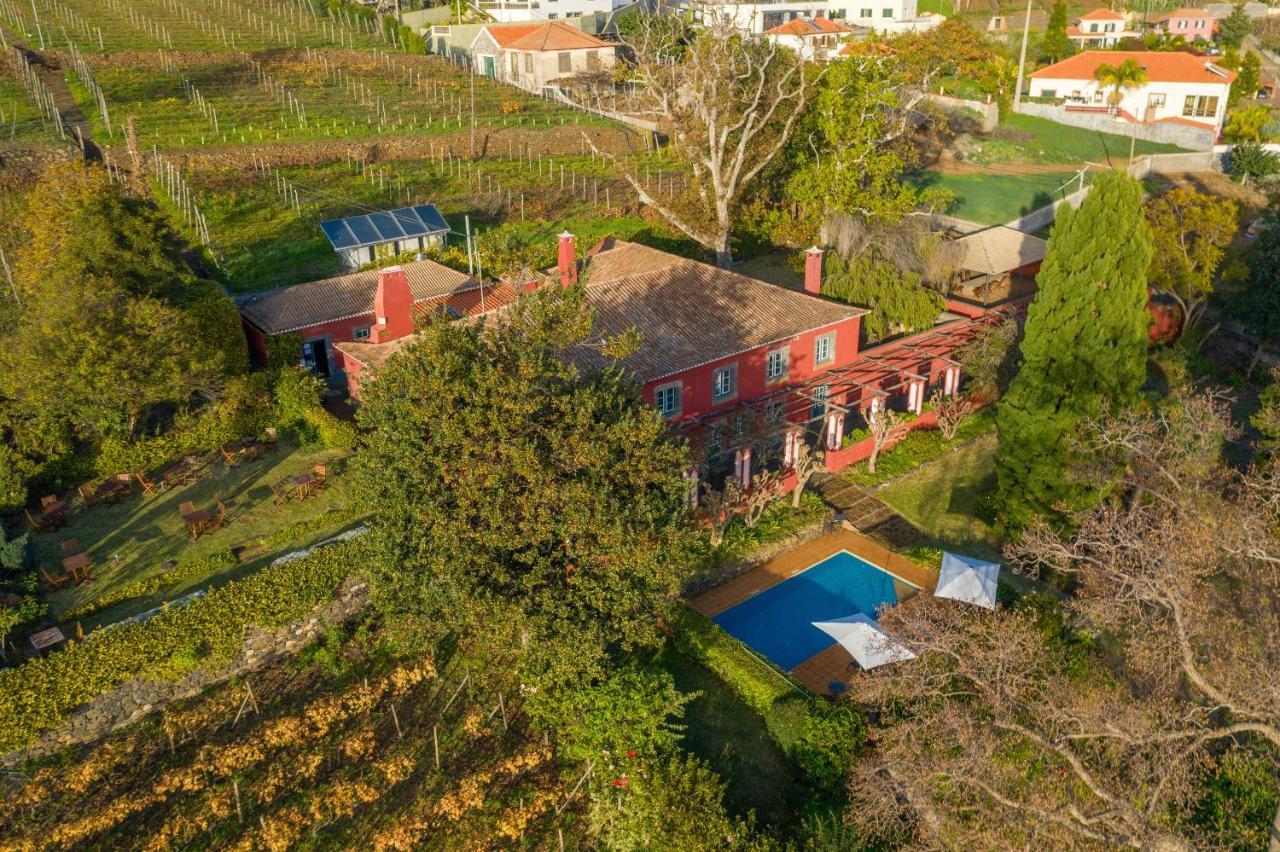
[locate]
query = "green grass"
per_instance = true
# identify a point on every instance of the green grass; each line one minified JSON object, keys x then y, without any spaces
{"x":994,"y":199}
{"x":734,"y":740}
{"x":938,"y":7}
{"x":945,"y":499}
{"x":20,"y":121}
{"x":1030,"y":139}
{"x":132,"y":540}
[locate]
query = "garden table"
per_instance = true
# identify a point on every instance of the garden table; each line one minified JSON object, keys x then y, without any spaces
{"x":195,"y":522}
{"x":46,"y":638}
{"x":55,"y":513}
{"x":78,"y":567}
{"x":305,"y":485}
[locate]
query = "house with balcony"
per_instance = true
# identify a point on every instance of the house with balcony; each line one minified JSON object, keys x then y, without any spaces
{"x":890,"y":16}
{"x":815,"y":39}
{"x":1181,"y":88}
{"x":1100,"y":28}
{"x":1191,"y":23}
{"x":536,"y":55}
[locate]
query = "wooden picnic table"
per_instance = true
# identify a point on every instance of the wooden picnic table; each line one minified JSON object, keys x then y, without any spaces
{"x":196,"y":521}
{"x":46,"y":638}
{"x":78,"y":567}
{"x":305,"y":485}
{"x":113,"y":490}
{"x":55,"y":512}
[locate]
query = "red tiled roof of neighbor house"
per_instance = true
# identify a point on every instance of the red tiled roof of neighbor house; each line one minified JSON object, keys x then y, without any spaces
{"x":345,"y":296}
{"x":551,"y":35}
{"x":1160,"y":66}
{"x":808,"y":27}
{"x":1102,"y":15}
{"x":1185,"y":12}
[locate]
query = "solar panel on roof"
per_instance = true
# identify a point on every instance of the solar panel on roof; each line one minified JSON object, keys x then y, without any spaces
{"x":385,"y":224}
{"x":364,"y":230}
{"x":339,"y":234}
{"x":431,"y":217}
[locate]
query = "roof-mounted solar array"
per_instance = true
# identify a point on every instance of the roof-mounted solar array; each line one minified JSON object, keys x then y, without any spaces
{"x":391,"y":225}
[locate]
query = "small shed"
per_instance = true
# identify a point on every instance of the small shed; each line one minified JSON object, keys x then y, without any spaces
{"x":996,"y":264}
{"x":363,"y":239}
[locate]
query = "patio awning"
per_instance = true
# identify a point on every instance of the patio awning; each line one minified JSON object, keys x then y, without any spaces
{"x":862,"y":637}
{"x":964,"y":578}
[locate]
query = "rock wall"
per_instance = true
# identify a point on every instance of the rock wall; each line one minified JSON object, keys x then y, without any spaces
{"x":1174,"y":134}
{"x":134,"y":699}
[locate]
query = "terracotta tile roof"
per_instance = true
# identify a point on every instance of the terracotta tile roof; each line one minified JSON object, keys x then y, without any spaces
{"x":345,"y":296}
{"x":996,"y":250}
{"x":1102,"y":15}
{"x":1186,"y":12}
{"x":808,"y":27}
{"x":550,"y":35}
{"x":1161,"y":66}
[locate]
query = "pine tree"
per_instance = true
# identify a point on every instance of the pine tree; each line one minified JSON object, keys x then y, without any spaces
{"x":1056,"y":45}
{"x":1234,"y":27}
{"x":1084,"y":350}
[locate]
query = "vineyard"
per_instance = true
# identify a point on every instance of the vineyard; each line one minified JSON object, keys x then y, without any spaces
{"x":343,"y":748}
{"x":253,"y":122}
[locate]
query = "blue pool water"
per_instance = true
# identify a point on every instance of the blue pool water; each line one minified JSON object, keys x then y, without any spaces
{"x":778,"y":622}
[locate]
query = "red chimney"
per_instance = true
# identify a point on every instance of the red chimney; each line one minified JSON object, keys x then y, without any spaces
{"x":393,"y":306}
{"x":813,"y":271}
{"x":568,"y":260}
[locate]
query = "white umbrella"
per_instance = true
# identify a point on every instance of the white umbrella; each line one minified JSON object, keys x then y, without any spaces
{"x":964,"y":578}
{"x":863,"y":638}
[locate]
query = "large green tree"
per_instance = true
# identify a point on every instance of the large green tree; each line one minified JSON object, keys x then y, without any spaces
{"x":899,"y":301}
{"x":1190,"y":231}
{"x":1083,"y":350}
{"x":524,"y":501}
{"x":1234,"y":27}
{"x":1056,"y":46}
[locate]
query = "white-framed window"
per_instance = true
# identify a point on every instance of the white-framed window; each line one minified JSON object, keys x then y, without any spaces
{"x":776,"y":364}
{"x":820,"y":396}
{"x":824,"y":348}
{"x":1155,"y":99}
{"x":668,"y":399}
{"x":886,"y":13}
{"x":774,"y":412}
{"x":865,"y":13}
{"x":724,"y":383}
{"x":1201,"y":106}
{"x":360,"y":333}
{"x":715,"y":445}
{"x":515,"y":64}
{"x":528,"y":63}
{"x":565,"y":61}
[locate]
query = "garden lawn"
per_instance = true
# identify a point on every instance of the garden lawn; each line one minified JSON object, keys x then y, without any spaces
{"x":131,"y":541}
{"x":1031,"y":139}
{"x":944,"y":499}
{"x":919,"y":447}
{"x":994,"y":199}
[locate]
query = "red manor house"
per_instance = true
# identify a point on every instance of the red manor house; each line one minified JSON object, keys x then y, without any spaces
{"x":742,"y":367}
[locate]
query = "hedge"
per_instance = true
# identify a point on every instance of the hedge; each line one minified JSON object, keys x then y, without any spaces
{"x":822,"y":738}
{"x":42,"y":693}
{"x":184,"y":572}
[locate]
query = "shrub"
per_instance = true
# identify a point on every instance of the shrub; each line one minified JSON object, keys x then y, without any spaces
{"x":1250,"y":161}
{"x":13,"y":482}
{"x":298,"y":394}
{"x":41,"y":693}
{"x":180,"y":574}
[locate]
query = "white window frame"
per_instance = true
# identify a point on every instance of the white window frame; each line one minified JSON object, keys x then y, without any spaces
{"x":720,"y":392}
{"x":827,"y":341}
{"x":659,"y":399}
{"x":361,"y":333}
{"x":783,"y":354}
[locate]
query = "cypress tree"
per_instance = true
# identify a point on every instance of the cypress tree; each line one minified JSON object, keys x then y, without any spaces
{"x":1056,"y":45}
{"x":1084,"y":349}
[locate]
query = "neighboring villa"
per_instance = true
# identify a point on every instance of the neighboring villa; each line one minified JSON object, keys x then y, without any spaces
{"x":517,"y":11}
{"x":892,"y":16}
{"x":532,"y":56}
{"x":815,"y":39}
{"x":363,"y":239}
{"x":1181,"y":88}
{"x":373,"y":305}
{"x":1191,"y":24}
{"x":1100,"y":28}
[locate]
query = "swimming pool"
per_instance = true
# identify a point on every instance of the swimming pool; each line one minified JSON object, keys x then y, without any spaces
{"x":778,"y":622}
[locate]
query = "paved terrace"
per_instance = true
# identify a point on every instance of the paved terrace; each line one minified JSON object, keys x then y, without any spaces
{"x":832,"y":664}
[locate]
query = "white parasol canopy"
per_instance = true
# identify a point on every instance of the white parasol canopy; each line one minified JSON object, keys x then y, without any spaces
{"x":964,"y":578}
{"x":863,"y":638}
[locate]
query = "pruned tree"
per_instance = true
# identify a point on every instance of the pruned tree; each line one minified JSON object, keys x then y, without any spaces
{"x":806,"y":463}
{"x":948,"y":411}
{"x":765,"y":488}
{"x":885,"y":426}
{"x":1096,"y":722}
{"x":730,"y":104}
{"x":719,"y":505}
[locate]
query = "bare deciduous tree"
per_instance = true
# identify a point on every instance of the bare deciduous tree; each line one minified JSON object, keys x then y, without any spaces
{"x":1017,"y":728}
{"x":719,"y":506}
{"x":949,"y":411}
{"x":805,"y":464}
{"x":765,"y":488}
{"x":729,"y":103}
{"x":885,"y":426}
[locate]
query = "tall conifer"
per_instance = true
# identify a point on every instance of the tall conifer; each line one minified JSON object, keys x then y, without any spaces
{"x":1084,"y":350}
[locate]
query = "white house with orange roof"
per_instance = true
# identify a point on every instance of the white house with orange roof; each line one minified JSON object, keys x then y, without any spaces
{"x":1100,"y":28}
{"x":891,"y":16}
{"x":1181,"y":88}
{"x":534,"y":55}
{"x":815,"y":39}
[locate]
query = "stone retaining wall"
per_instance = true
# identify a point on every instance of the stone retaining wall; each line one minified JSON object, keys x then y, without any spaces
{"x":135,"y":699}
{"x":732,"y":568}
{"x":1174,"y":134}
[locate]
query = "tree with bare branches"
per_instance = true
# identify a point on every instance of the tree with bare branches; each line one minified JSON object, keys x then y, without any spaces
{"x":765,"y":488}
{"x":730,"y":105}
{"x":719,"y":505}
{"x":885,"y":426}
{"x":1094,"y":722}
{"x":806,"y":463}
{"x":948,"y":412}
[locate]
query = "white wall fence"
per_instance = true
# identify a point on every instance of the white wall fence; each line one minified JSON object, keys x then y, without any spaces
{"x":1173,"y":134}
{"x":988,"y":113}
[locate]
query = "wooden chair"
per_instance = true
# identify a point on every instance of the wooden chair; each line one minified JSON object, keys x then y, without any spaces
{"x":321,"y":473}
{"x":186,"y":507}
{"x":124,"y":481}
{"x":148,"y":486}
{"x":215,"y":523}
{"x":70,"y":547}
{"x":55,"y":582}
{"x":36,"y":523}
{"x":270,"y":437}
{"x":229,"y":456}
{"x":279,"y":495}
{"x":88,"y":495}
{"x":46,"y":502}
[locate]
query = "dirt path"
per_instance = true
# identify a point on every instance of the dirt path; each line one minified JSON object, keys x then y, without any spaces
{"x":50,"y":73}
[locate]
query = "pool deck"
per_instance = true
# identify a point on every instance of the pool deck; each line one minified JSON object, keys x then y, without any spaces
{"x":830,"y":665}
